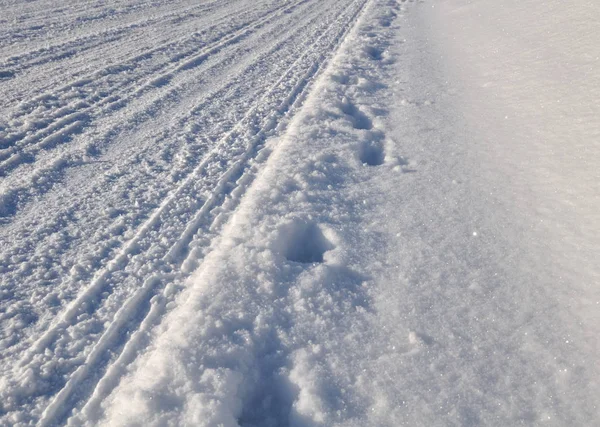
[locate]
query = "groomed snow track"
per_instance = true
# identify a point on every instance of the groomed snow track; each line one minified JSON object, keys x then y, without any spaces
{"x":129,"y":133}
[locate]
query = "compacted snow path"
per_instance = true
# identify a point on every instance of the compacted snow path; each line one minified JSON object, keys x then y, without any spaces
{"x":128,"y":133}
{"x":298,"y":213}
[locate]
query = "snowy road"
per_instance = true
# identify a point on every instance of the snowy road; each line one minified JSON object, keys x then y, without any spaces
{"x":128,"y":132}
{"x":297,"y":213}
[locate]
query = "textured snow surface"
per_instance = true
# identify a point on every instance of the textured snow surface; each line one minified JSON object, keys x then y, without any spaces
{"x":300,"y":213}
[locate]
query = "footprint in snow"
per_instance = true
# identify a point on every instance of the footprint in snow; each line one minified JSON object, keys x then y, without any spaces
{"x":359,"y":119}
{"x":371,"y":153}
{"x":373,"y":53}
{"x":304,"y":242}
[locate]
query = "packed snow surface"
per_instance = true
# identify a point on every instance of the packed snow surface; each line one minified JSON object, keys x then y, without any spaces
{"x":300,"y":213}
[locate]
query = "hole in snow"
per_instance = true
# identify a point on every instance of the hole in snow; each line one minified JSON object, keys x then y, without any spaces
{"x":359,"y":119}
{"x":387,"y":18}
{"x":304,"y":242}
{"x":373,"y":53}
{"x":371,"y":154}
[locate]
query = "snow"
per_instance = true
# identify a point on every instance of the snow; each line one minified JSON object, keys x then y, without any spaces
{"x":300,"y":213}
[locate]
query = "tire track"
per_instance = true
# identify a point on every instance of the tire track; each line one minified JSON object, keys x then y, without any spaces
{"x":56,"y":50}
{"x":233,"y":175}
{"x":247,"y":140}
{"x":173,"y":39}
{"x":213,"y":99}
{"x":76,"y":120}
{"x":217,"y":155}
{"x":268,"y":124}
{"x":27,"y":147}
{"x":100,"y":44}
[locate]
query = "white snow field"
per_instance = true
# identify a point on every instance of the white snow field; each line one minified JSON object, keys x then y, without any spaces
{"x":300,"y":213}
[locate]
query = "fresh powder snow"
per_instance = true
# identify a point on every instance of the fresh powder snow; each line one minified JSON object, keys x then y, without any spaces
{"x":300,"y":213}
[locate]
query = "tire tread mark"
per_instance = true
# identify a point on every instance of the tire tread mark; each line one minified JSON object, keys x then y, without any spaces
{"x":145,"y":293}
